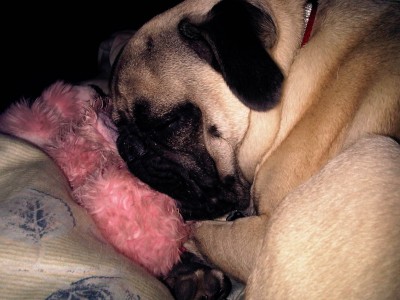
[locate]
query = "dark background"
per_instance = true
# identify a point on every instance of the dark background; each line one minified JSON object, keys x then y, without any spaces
{"x":42,"y":43}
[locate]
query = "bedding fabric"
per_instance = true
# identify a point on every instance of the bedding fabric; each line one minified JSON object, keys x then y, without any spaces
{"x":49,"y":246}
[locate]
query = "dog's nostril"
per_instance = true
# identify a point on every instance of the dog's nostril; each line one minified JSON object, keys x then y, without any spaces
{"x":132,"y":150}
{"x":214,"y":200}
{"x":139,"y":149}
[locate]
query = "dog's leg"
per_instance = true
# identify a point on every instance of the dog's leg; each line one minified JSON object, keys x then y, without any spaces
{"x":338,"y":235}
{"x":232,"y":246}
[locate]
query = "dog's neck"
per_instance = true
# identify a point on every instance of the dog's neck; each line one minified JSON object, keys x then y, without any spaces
{"x":290,"y":21}
{"x":294,"y":28}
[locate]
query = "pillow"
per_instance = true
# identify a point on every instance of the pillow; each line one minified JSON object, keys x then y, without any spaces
{"x":49,"y":246}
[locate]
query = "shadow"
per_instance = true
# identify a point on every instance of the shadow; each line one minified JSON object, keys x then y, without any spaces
{"x":43,"y":43}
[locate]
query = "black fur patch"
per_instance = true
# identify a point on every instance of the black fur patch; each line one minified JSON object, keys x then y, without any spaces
{"x":193,"y":278}
{"x":230,"y":41}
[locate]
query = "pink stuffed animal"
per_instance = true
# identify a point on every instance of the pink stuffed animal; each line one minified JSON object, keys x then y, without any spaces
{"x":73,"y":126}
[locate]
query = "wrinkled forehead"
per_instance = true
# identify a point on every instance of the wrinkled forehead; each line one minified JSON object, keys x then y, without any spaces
{"x":193,"y":9}
{"x":188,"y":8}
{"x":164,"y":25}
{"x":167,"y":21}
{"x":153,"y":59}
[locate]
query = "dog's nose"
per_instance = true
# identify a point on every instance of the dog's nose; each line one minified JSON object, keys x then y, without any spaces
{"x":130,"y":148}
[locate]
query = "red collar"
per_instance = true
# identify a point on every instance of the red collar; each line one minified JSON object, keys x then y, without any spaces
{"x":310,"y":22}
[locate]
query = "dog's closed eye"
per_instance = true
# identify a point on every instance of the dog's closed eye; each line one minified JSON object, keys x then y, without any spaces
{"x":213,"y":130}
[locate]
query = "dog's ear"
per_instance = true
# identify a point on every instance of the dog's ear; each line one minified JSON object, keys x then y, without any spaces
{"x":233,"y":39}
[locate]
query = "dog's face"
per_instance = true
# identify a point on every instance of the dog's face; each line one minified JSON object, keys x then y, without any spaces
{"x":183,"y":88}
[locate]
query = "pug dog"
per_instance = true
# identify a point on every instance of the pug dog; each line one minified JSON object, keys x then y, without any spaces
{"x":242,"y":105}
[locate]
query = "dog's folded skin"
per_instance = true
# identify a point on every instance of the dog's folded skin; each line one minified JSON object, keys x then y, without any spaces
{"x":325,"y":121}
{"x":234,"y":100}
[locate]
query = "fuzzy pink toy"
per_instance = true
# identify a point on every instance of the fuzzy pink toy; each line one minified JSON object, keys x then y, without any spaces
{"x":73,"y":126}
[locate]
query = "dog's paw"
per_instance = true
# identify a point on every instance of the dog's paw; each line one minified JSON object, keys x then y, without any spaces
{"x":194,"y":279}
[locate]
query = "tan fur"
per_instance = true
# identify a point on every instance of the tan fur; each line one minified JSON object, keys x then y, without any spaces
{"x":337,"y":235}
{"x":325,"y":179}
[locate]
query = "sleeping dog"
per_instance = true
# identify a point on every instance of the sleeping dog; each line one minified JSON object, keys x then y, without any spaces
{"x":220,"y":106}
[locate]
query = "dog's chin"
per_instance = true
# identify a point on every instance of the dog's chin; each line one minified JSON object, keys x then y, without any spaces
{"x":198,"y":196}
{"x":191,"y":179}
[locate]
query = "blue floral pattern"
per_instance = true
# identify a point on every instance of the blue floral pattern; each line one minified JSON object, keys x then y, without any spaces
{"x":32,"y":215}
{"x":96,"y":288}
